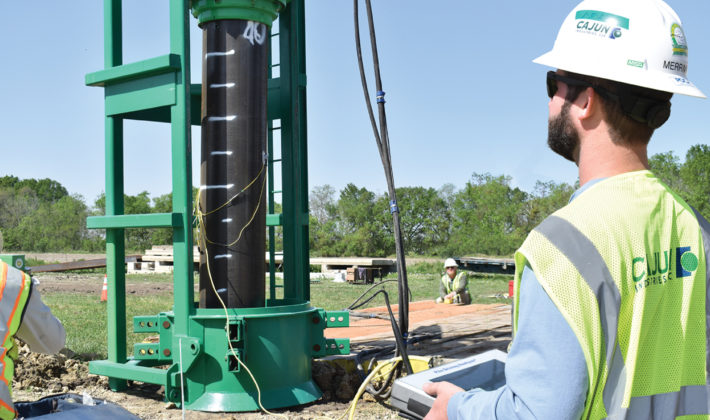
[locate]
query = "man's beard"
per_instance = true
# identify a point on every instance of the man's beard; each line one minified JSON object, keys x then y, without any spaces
{"x":562,"y":138}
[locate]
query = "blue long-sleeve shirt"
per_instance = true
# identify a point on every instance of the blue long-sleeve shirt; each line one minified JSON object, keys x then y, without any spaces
{"x":545,"y":372}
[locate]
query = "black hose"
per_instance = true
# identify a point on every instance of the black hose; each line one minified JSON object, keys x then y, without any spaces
{"x":382,"y":139}
{"x":384,"y":391}
{"x":401,"y":347}
{"x":355,"y":305}
{"x":397,"y":334}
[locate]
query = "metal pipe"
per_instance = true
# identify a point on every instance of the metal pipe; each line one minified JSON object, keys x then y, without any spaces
{"x":234,"y":128}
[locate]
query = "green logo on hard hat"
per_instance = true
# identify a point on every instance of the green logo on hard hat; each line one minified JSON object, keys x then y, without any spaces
{"x":607,"y":18}
{"x":602,"y":24}
{"x":680,"y":46}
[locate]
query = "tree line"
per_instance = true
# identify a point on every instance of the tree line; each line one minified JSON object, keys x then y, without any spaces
{"x":488,"y":216}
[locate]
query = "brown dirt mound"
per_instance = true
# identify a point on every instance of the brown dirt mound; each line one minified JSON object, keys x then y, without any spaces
{"x":52,"y":373}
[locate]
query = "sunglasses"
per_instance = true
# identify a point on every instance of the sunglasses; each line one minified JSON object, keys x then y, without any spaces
{"x":553,"y":78}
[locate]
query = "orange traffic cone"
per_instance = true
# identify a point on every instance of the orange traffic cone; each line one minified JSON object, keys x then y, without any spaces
{"x":104,"y":289}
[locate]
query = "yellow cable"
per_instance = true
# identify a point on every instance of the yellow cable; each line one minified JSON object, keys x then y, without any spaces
{"x":253,"y":215}
{"x":394,"y":362}
{"x":226,"y":203}
{"x":256,"y":210}
{"x":203,"y":239}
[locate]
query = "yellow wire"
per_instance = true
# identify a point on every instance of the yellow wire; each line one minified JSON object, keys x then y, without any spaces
{"x":203,"y":238}
{"x":226,"y":203}
{"x":394,"y":362}
{"x":253,"y":215}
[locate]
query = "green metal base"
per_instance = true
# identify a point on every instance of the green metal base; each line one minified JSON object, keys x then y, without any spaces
{"x":270,"y":399}
{"x":276,"y":344}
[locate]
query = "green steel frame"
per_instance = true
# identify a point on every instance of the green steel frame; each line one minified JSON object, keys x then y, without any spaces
{"x":158,"y":89}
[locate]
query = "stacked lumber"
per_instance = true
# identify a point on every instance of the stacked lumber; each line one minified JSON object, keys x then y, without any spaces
{"x":158,"y":259}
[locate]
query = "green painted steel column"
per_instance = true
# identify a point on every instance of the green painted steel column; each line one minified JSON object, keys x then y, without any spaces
{"x":115,"y":239}
{"x":183,"y":277}
{"x":270,"y":187}
{"x":294,"y":152}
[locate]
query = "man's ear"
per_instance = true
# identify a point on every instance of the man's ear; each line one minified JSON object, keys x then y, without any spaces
{"x":588,"y":103}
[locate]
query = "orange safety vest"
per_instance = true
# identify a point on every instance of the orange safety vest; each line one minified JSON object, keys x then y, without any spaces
{"x":15,"y":287}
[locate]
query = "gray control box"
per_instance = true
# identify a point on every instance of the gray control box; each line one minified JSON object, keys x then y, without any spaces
{"x":485,"y":371}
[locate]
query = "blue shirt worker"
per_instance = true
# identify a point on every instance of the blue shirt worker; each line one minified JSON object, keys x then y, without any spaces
{"x":23,"y":315}
{"x":611,"y":291}
{"x":453,"y":287}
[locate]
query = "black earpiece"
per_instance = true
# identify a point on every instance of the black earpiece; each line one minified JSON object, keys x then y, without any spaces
{"x":658,"y":114}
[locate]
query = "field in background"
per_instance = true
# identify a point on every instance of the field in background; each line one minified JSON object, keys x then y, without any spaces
{"x":84,"y":317}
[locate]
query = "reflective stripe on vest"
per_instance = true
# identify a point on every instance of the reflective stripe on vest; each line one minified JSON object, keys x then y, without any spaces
{"x":585,"y":257}
{"x":453,"y":284}
{"x":6,"y":411}
{"x":14,"y":290}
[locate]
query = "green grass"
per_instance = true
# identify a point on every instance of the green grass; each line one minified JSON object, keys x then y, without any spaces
{"x":84,"y":317}
{"x":425,"y":268}
{"x":153,"y":278}
{"x":338,"y":296}
{"x":32,"y":262}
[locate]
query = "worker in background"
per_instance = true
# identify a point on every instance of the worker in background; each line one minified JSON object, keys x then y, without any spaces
{"x":23,"y":315}
{"x":611,"y":290}
{"x":453,"y":287}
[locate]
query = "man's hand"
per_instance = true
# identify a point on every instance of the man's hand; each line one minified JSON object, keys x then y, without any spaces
{"x":443,"y":392}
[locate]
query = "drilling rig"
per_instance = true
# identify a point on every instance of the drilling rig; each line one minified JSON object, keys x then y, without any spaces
{"x":248,"y":340}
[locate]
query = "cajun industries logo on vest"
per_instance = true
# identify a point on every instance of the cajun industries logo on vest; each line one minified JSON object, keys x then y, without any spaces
{"x":602,"y":24}
{"x":661,"y":267}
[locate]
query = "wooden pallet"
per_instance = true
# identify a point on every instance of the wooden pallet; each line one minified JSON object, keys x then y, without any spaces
{"x":159,"y":259}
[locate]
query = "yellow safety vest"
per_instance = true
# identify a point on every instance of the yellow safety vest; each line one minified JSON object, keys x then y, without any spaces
{"x":626,"y":265}
{"x":454,"y":284}
{"x":15,"y":287}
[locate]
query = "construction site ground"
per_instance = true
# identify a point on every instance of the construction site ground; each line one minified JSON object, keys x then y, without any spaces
{"x":445,"y":332}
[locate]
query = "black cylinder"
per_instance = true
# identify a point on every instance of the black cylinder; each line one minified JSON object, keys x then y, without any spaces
{"x":234,"y":124}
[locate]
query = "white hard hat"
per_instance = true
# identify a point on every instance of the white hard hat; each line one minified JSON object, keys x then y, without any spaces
{"x":450,"y":262}
{"x":638,"y":42}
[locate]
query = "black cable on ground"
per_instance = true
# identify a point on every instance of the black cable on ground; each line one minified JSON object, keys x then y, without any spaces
{"x":397,"y":334}
{"x":355,"y":304}
{"x":385,"y":389}
{"x":382,"y":139}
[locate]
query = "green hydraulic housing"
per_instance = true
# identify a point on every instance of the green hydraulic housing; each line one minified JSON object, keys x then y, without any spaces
{"x":14,"y":260}
{"x":203,"y":356}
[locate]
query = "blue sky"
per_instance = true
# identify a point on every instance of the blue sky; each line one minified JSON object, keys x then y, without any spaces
{"x":463,"y":95}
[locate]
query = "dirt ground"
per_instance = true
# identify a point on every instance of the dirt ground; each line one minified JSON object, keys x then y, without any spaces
{"x":37,"y":376}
